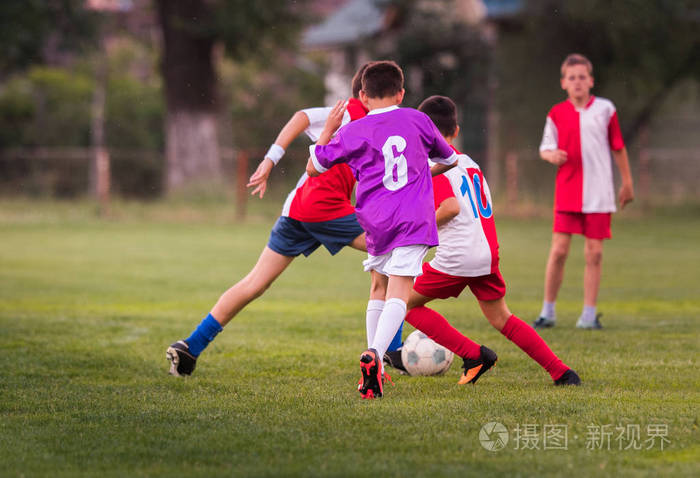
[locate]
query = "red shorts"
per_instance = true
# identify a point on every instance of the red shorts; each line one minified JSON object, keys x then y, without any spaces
{"x":594,"y":225}
{"x":438,"y":285}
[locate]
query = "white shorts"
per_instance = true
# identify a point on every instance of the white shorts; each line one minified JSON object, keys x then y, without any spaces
{"x":401,"y":261}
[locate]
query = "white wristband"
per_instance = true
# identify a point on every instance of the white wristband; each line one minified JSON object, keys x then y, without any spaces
{"x":275,"y":153}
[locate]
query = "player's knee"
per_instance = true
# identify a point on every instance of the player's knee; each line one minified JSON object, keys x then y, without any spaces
{"x":559,"y":253}
{"x":252,"y":289}
{"x":594,"y":256}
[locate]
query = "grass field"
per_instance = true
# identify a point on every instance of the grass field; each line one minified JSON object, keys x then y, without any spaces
{"x":88,"y":306}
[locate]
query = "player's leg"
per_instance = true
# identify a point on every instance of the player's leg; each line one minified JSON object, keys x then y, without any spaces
{"x":433,"y":284}
{"x":287,"y":240}
{"x":477,"y":359}
{"x":359,"y":243}
{"x":393,"y":313}
{"x":596,"y":228}
{"x":554,"y":275}
{"x":346,"y":231}
{"x":375,"y":306}
{"x":593,"y":255}
{"x":183,"y":354}
{"x":268,"y":268}
{"x":525,"y":337}
{"x":400,"y":265}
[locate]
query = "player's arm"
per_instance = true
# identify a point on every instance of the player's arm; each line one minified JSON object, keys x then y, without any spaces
{"x":333,"y":122}
{"x":311,"y":169}
{"x":626,"y":194}
{"x":439,"y":168}
{"x":294,"y":127}
{"x":448,"y":210}
{"x":443,"y":165}
{"x":549,"y":147}
{"x":555,"y":156}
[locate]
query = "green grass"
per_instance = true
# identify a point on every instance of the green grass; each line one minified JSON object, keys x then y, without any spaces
{"x":88,"y":306}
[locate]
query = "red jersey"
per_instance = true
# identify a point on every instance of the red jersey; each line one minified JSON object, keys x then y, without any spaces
{"x":325,"y":197}
{"x":585,"y":181}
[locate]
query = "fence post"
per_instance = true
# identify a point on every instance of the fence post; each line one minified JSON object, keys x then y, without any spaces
{"x":103,"y":179}
{"x":511,"y":179}
{"x":241,"y":180}
{"x":644,"y":167}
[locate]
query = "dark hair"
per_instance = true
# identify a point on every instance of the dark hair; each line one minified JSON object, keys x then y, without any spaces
{"x":576,"y":59}
{"x":357,"y":81}
{"x":382,"y":79}
{"x":442,"y":111}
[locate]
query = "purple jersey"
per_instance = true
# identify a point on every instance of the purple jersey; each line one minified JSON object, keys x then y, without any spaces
{"x":388,"y":152}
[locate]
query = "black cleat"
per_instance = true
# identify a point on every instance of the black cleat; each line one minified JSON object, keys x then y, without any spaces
{"x":393,"y":359}
{"x":473,"y":369}
{"x":591,"y":325}
{"x":371,"y":385}
{"x":182,"y":362}
{"x":568,"y":378}
{"x":543,"y":323}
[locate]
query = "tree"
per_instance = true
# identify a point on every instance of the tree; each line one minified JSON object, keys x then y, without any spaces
{"x":37,"y":31}
{"x":192,"y":33}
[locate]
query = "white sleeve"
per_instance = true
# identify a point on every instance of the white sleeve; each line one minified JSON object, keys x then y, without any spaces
{"x":454,"y":157}
{"x":317,"y":120}
{"x":549,"y":136}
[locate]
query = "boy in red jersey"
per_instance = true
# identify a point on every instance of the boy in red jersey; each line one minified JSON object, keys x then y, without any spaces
{"x":468,"y":256}
{"x":579,"y":135}
{"x":317,"y":212}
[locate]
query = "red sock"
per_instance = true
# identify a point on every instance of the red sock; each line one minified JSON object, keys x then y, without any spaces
{"x":439,"y":329}
{"x":532,"y":344}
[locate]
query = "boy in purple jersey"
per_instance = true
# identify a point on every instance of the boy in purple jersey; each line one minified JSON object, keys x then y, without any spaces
{"x":387,"y":152}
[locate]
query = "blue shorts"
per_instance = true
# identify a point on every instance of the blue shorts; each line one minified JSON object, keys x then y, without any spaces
{"x":290,"y":237}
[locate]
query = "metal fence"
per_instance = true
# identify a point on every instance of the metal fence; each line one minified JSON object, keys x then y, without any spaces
{"x":663,"y":176}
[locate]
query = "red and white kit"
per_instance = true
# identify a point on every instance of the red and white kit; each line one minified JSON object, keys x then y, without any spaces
{"x":325,"y":197}
{"x":468,"y":243}
{"x":584,"y":183}
{"x":468,"y":250}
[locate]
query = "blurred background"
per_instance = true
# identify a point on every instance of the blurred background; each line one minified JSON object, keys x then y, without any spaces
{"x":152,"y":99}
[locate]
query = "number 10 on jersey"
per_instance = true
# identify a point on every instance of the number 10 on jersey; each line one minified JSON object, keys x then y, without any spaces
{"x":486,"y":211}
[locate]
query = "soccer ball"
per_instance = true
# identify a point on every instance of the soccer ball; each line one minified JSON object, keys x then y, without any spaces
{"x":421,"y":356}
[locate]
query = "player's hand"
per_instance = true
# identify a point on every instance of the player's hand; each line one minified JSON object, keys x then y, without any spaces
{"x":335,"y":117}
{"x":259,"y":177}
{"x":558,"y":157}
{"x":626,"y":195}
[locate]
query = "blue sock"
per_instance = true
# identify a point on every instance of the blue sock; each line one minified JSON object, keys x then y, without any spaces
{"x":203,"y":334}
{"x":396,"y":342}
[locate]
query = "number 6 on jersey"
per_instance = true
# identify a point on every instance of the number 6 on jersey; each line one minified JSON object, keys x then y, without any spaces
{"x":394,"y":182}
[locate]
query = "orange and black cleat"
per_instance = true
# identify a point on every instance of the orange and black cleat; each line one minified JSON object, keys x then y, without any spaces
{"x":475,"y":368}
{"x":371,"y":383}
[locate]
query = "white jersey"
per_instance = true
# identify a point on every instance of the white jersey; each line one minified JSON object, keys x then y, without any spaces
{"x":317,"y":120}
{"x":468,"y":243}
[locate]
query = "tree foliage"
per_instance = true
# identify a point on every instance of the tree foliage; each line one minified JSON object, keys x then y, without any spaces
{"x":640,"y":49}
{"x":37,"y":31}
{"x":443,"y":55}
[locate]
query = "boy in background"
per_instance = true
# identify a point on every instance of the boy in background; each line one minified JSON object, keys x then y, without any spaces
{"x":387,"y":152}
{"x":468,"y":256}
{"x":579,"y":135}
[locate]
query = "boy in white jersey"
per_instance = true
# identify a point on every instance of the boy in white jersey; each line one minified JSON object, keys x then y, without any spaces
{"x":579,"y":135}
{"x":468,"y":256}
{"x":387,"y":151}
